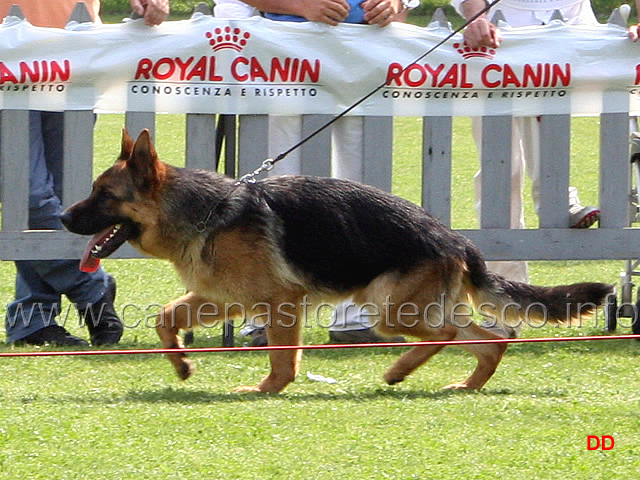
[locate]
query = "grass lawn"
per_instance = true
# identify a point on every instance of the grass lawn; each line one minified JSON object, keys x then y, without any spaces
{"x":129,"y":417}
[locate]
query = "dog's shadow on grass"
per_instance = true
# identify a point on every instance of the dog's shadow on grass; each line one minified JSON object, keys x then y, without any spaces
{"x":170,"y":395}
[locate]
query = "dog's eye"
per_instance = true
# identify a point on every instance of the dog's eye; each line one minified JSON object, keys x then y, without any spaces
{"x":106,"y":194}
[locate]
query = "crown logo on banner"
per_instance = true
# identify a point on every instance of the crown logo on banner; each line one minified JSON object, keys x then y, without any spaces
{"x":228,"y":37}
{"x":478,"y":52}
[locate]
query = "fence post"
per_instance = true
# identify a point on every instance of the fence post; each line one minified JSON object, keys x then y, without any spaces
{"x":436,"y":167}
{"x":495,"y":158}
{"x":201,"y":141}
{"x":555,"y":146}
{"x":14,"y":161}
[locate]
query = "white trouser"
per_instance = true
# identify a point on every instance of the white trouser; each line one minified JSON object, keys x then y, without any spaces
{"x":347,"y":161}
{"x":525,"y":155}
{"x":347,"y":155}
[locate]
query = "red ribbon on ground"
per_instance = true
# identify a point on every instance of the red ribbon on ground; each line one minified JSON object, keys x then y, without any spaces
{"x":71,"y":353}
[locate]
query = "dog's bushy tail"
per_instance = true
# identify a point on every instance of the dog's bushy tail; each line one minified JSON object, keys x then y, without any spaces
{"x":513,"y":303}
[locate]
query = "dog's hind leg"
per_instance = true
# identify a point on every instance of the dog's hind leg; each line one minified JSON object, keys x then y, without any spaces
{"x":488,"y":356}
{"x":285,"y":364}
{"x":177,"y":315}
{"x":417,"y":356}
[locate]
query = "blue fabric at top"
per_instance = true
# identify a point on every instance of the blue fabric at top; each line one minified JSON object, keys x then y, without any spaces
{"x":356,"y":14}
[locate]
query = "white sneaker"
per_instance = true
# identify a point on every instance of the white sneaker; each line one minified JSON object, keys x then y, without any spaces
{"x":582,"y":217}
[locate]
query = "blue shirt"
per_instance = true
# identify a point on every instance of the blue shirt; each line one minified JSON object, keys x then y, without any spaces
{"x":356,"y":14}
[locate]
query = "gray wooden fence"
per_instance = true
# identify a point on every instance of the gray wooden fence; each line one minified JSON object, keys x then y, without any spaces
{"x":246,"y":147}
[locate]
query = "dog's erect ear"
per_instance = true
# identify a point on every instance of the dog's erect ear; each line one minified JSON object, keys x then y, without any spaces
{"x":127,"y":145}
{"x":146,"y":170}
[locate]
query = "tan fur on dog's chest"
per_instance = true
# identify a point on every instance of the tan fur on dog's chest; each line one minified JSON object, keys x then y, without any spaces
{"x":237,"y":266}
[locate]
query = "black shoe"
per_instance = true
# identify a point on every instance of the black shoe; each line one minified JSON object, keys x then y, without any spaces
{"x":53,"y":335}
{"x":365,"y":335}
{"x":258,"y":338}
{"x":104,"y":325}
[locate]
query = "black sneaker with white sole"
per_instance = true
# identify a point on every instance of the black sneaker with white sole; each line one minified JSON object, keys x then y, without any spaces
{"x":52,"y":335}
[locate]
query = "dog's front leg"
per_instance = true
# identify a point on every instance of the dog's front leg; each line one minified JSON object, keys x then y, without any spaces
{"x":175,"y":316}
{"x":285,"y":364}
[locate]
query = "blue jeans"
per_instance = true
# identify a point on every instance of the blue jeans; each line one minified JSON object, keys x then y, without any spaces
{"x":40,"y":284}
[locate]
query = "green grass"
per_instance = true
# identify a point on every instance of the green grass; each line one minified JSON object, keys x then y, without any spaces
{"x":129,"y":417}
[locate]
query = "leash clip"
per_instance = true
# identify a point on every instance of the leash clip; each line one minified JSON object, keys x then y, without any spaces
{"x":266,"y":166}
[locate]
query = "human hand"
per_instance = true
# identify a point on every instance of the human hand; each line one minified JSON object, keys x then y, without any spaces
{"x":482,"y":33}
{"x":381,"y":12}
{"x":633,"y":32}
{"x":154,"y":12}
{"x":331,"y":12}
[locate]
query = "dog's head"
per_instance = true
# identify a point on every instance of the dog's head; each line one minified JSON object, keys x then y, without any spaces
{"x":123,"y":201}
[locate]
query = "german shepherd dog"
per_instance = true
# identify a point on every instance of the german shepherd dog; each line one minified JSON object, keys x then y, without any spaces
{"x":268,"y":246}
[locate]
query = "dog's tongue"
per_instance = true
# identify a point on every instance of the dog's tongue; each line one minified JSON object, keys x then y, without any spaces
{"x":89,"y":263}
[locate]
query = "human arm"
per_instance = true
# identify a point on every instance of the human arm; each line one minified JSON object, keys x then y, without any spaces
{"x":154,"y":12}
{"x":325,"y":11}
{"x":481,"y":32}
{"x":383,"y":12}
{"x":633,"y":29}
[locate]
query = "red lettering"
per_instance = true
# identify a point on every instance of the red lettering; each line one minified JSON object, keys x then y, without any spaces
{"x":164,"y":68}
{"x":144,"y":69}
{"x":547,"y":75}
{"x":257,"y":71}
{"x":530,"y":77}
{"x":637,"y":81}
{"x":450,"y":78}
{"x":509,"y":77}
{"x":434,"y":73}
{"x":294,"y":68}
{"x":199,"y":70}
{"x":485,"y":72}
{"x":234,"y":69}
{"x":57,"y":71}
{"x":280,"y":71}
{"x":604,"y":441}
{"x":45,"y":72}
{"x":212,"y":71}
{"x":183,"y":65}
{"x":395,"y":70}
{"x":463,"y":78}
{"x":6,"y":75}
{"x":414,"y":81}
{"x":32,"y":74}
{"x":311,"y":71}
{"x":563,"y":76}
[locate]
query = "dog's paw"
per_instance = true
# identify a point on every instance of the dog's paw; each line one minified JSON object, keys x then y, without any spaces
{"x":185,"y":369}
{"x":392,"y":379}
{"x":458,"y":386}
{"x":247,"y":389}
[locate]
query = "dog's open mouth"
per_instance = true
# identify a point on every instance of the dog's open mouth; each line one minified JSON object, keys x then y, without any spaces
{"x":103,"y":244}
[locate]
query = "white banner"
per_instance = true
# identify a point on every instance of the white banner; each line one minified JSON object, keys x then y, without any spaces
{"x":208,"y":65}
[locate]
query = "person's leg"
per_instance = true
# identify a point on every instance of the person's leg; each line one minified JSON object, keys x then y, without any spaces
{"x":34,"y":308}
{"x":347,"y":145}
{"x":284,"y":132}
{"x":580,"y":216}
{"x":31,"y":317}
{"x":92,"y":293}
{"x":513,"y":270}
{"x":348,"y":325}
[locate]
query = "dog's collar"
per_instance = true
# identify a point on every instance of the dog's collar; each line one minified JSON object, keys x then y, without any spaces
{"x":266,"y":166}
